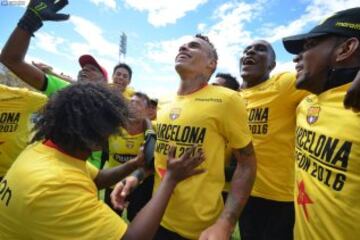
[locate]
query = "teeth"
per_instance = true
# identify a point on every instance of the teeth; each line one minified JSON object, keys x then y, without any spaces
{"x":249,"y":61}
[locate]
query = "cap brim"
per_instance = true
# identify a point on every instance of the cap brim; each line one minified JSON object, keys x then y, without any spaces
{"x":295,"y":44}
{"x":88,"y":59}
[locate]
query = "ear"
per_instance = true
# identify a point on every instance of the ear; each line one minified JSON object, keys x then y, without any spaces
{"x":272,"y":65}
{"x":347,"y":49}
{"x":212,"y":64}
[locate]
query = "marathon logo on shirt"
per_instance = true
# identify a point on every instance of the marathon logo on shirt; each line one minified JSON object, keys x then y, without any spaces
{"x":5,"y":192}
{"x":122,"y":158}
{"x":258,"y":120}
{"x":9,"y":121}
{"x":184,"y":136}
{"x":325,"y":158}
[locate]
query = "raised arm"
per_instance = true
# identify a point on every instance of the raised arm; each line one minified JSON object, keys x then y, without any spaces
{"x":13,"y":57}
{"x":14,"y":52}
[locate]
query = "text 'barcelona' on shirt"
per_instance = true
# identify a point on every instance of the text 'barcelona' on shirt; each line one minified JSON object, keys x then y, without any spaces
{"x":326,"y":158}
{"x":184,"y":136}
{"x":258,"y":120}
{"x":9,"y":121}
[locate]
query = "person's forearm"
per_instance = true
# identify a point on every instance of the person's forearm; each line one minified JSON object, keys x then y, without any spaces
{"x":241,"y":186}
{"x":109,"y":177}
{"x":13,"y":55}
{"x":147,"y":221}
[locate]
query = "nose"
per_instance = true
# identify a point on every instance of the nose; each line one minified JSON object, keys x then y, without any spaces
{"x":183,"y":48}
{"x":297,"y":58}
{"x":250,"y":51}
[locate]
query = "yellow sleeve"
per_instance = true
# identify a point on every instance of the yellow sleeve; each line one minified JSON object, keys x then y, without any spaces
{"x":288,"y":80}
{"x":92,"y":170}
{"x":234,"y":122}
{"x":35,"y":100}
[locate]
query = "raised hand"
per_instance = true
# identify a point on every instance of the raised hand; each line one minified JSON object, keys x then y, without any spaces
{"x":42,"y":10}
{"x":181,"y":168}
{"x":122,"y":190}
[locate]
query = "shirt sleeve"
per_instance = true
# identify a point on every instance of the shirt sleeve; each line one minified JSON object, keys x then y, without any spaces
{"x":92,"y":170}
{"x":35,"y":100}
{"x":288,"y":80}
{"x":54,"y":84}
{"x":234,"y":122}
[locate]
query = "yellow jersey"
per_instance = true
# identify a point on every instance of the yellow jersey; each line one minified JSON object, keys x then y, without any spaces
{"x":271,"y":108}
{"x":211,"y":118}
{"x":128,"y":92}
{"x":123,"y":147}
{"x":47,"y":194}
{"x":327,"y":168}
{"x":16,"y":108}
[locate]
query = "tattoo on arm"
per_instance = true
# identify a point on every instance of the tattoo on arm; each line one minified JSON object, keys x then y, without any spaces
{"x":241,"y":184}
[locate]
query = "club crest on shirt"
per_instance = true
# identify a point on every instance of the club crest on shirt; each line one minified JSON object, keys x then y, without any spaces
{"x":313,"y":114}
{"x":129,"y":144}
{"x":174,"y":113}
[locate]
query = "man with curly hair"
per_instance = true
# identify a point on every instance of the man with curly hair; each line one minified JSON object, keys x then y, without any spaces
{"x":51,"y":192}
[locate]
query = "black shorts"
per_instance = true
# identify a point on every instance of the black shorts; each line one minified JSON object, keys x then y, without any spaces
{"x":165,"y":234}
{"x":264,"y":219}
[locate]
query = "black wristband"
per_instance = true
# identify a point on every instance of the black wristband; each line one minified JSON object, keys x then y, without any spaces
{"x":139,"y":174}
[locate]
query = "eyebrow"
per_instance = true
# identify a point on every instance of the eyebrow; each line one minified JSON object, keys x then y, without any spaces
{"x":257,"y":45}
{"x":194,"y":43}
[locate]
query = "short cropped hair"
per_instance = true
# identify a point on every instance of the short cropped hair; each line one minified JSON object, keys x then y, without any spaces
{"x":124,"y":65}
{"x":213,"y":49}
{"x":144,"y":97}
{"x":230,"y":81}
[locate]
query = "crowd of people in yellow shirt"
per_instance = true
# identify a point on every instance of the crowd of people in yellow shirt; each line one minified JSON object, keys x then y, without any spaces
{"x":276,"y":156}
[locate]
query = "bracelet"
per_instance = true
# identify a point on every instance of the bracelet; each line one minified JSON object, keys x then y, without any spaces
{"x":139,"y":174}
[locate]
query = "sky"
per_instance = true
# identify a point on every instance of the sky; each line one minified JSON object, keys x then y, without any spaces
{"x":155,"y":30}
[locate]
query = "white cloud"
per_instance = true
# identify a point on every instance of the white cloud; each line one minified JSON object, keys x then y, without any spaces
{"x":163,"y":12}
{"x":105,"y":52}
{"x":111,"y":4}
{"x":94,"y":39}
{"x":229,"y":34}
{"x":48,"y":42}
{"x":314,"y":13}
{"x":201,"y":27}
{"x":231,"y":19}
{"x":283,"y":67}
{"x":164,"y":52}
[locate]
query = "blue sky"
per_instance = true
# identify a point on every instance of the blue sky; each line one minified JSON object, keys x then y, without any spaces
{"x":156,"y":28}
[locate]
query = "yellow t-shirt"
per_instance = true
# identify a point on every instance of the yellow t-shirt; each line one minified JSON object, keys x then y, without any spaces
{"x":210,"y":118}
{"x":271,"y":106}
{"x":128,"y":92}
{"x":49,"y":195}
{"x":16,"y":107}
{"x":327,"y":192}
{"x":123,"y":147}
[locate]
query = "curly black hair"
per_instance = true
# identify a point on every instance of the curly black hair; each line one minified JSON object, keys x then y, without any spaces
{"x":81,"y":117}
{"x":230,"y":81}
